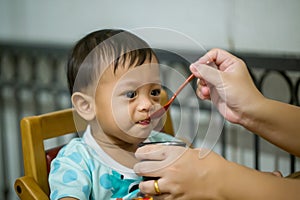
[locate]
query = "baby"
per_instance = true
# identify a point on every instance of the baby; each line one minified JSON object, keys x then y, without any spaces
{"x":114,"y":80}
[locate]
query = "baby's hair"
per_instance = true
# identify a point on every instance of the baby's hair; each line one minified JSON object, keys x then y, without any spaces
{"x":100,"y":49}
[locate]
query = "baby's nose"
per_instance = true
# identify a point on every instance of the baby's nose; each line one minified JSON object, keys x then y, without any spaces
{"x":145,"y":104}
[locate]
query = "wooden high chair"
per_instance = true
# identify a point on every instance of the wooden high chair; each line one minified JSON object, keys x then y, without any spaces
{"x":36,"y":129}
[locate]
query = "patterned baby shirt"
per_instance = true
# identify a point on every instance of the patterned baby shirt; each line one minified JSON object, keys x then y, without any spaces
{"x":83,"y":170}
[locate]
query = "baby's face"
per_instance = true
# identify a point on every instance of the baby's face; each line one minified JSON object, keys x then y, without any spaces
{"x":124,"y":99}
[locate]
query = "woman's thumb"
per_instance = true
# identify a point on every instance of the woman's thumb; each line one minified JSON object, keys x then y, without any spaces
{"x":209,"y":73}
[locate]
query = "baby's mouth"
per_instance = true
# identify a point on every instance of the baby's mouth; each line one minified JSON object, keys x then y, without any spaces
{"x":144,"y":121}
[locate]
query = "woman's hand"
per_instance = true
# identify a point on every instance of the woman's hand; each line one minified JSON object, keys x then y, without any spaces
{"x":182,"y":174}
{"x":227,"y":83}
{"x":229,"y":86}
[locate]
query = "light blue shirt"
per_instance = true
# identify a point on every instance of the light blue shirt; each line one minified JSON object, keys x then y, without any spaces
{"x":84,"y":171}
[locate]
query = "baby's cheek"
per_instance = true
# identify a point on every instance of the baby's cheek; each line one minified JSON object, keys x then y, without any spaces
{"x":122,"y":117}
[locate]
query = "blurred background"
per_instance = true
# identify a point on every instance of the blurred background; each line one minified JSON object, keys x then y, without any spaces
{"x":36,"y":36}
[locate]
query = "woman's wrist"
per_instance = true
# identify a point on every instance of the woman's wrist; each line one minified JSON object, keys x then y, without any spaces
{"x":227,"y":180}
{"x":215,"y":173}
{"x":238,"y":182}
{"x":250,"y":113}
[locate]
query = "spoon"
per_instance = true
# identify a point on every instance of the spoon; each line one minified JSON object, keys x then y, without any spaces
{"x":163,"y":109}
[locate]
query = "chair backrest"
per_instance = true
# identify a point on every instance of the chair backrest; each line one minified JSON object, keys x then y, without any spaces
{"x":36,"y":129}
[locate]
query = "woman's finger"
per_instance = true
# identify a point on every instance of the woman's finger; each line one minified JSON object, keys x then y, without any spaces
{"x":156,"y":157}
{"x":149,"y":168}
{"x":151,"y":152}
{"x":153,"y":187}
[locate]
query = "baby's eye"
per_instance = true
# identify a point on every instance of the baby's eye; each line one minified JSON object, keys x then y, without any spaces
{"x":130,"y":94}
{"x":155,"y":92}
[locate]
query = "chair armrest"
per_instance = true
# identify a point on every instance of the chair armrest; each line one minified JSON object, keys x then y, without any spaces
{"x":26,"y":188}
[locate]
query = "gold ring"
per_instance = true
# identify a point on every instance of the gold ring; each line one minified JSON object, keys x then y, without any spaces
{"x":157,"y":190}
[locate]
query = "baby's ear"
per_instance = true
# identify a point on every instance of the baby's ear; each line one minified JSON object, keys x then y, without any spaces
{"x":84,"y":105}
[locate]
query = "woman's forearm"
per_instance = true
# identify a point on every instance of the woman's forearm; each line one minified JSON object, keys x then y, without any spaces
{"x":245,"y":183}
{"x":277,"y":122}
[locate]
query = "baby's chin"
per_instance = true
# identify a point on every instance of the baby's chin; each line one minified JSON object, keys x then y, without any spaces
{"x":140,"y":131}
{"x":137,"y":139}
{"x":140,"y":139}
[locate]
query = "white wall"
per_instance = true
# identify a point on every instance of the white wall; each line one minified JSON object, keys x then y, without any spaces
{"x":270,"y":26}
